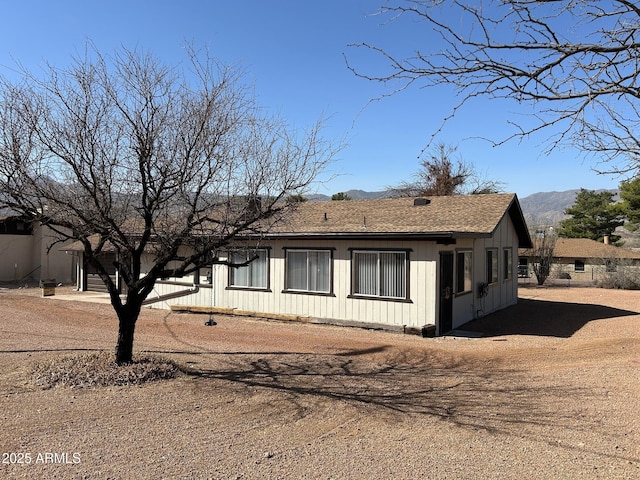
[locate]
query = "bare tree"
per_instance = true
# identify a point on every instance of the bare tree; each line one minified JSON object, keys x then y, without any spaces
{"x":442,"y":174}
{"x":166,"y":165}
{"x":573,"y":63}
{"x":541,"y":255}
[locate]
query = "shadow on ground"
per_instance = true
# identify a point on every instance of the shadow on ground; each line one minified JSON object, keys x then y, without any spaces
{"x":544,"y":318}
{"x":471,"y":394}
{"x":433,"y":384}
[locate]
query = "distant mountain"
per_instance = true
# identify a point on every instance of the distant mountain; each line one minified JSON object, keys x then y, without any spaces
{"x":547,"y":208}
{"x":542,"y":208}
{"x":354,"y":194}
{"x":539,"y":209}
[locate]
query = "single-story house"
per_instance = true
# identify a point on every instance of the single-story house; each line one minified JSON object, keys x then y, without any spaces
{"x":25,"y":253}
{"x":583,"y":259}
{"x":426,"y":265}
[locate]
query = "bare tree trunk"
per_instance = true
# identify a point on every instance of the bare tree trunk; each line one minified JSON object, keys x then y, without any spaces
{"x":124,"y":347}
{"x":127,"y":317}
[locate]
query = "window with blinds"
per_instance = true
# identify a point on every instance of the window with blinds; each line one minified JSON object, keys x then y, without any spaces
{"x":380,"y":274}
{"x":254,"y":274}
{"x":308,"y":271}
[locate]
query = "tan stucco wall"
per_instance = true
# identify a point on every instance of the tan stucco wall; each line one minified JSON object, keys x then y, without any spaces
{"x":16,"y":257}
{"x":25,"y":258}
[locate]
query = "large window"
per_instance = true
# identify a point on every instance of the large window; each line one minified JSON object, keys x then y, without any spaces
{"x":578,"y":266}
{"x":380,"y":274}
{"x":492,"y":266}
{"x":308,"y":271}
{"x":253,"y":275}
{"x":464,"y":266}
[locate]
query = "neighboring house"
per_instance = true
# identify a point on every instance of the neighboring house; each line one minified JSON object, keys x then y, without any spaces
{"x":426,"y":264}
{"x":25,"y":254}
{"x":583,"y":259}
{"x":87,"y":278}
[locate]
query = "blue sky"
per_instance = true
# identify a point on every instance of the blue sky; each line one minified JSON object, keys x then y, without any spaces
{"x":293,"y":52}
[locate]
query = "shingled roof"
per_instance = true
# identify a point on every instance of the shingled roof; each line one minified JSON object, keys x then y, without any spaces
{"x":430,"y":218}
{"x":434,"y":218}
{"x":587,"y":248}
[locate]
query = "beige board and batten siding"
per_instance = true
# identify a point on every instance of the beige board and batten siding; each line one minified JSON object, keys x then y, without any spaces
{"x":470,"y":305}
{"x":474,"y":223}
{"x":417,"y":312}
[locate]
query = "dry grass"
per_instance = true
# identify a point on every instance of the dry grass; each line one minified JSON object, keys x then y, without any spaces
{"x":99,"y":370}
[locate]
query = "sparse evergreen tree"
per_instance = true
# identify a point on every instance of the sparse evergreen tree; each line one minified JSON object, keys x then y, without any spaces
{"x":340,"y":196}
{"x":630,"y":204}
{"x":296,"y":198}
{"x":593,"y":215}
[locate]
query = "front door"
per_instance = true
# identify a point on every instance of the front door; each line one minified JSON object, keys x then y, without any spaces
{"x":445,"y":315}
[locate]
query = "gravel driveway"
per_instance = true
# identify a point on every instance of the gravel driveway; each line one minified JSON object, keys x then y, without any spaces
{"x":551,"y":390}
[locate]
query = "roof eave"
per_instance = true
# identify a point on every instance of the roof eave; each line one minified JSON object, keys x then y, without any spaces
{"x":375,"y":235}
{"x":520,"y":224}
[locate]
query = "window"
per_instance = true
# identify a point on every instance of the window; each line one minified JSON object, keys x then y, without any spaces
{"x":254,"y":274}
{"x":492,"y":266}
{"x":308,"y":271}
{"x":578,"y":266}
{"x":187,"y":279}
{"x":611,"y":266}
{"x":205,"y":276}
{"x":379,"y":274}
{"x":523,"y":268}
{"x":464,"y":265}
{"x":507,"y":264}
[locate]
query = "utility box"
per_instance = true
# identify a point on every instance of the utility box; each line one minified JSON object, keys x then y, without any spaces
{"x":429,"y":331}
{"x":48,"y":287}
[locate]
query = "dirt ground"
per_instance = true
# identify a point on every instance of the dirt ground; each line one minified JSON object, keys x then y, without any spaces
{"x":551,"y":390}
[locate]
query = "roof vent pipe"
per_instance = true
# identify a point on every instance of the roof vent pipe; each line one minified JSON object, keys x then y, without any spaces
{"x":421,"y":201}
